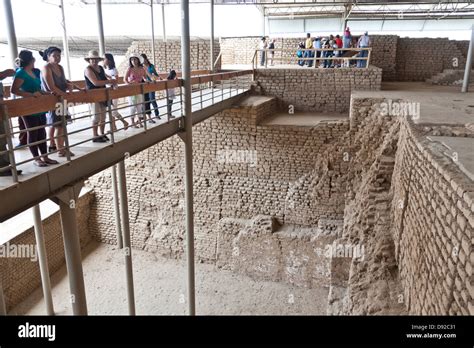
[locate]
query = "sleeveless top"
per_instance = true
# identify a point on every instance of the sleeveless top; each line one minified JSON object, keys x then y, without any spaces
{"x":59,"y":81}
{"x":136,"y":75}
{"x":99,"y":75}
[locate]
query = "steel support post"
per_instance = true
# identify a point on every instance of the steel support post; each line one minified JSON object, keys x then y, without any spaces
{"x":188,"y":145}
{"x":467,"y":71}
{"x":67,"y":201}
{"x":122,"y":183}
{"x":43,"y":260}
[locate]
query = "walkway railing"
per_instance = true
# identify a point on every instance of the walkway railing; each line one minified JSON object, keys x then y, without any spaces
{"x":322,"y":57}
{"x":206,"y":90}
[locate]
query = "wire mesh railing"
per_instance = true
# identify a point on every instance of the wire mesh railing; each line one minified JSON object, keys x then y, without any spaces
{"x":101,"y":116}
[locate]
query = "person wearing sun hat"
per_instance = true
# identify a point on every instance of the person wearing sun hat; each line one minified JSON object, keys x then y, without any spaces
{"x":96,"y":78}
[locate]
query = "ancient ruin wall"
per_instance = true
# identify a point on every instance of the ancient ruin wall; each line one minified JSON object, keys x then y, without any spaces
{"x":241,"y":170}
{"x":418,"y":59}
{"x":168,"y":54}
{"x":320,"y":90}
{"x":433,"y":225}
{"x":21,"y":276}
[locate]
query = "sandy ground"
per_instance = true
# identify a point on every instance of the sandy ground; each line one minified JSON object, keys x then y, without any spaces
{"x":160,"y":289}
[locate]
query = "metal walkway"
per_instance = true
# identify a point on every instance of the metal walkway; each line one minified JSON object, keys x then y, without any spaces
{"x":37,"y":184}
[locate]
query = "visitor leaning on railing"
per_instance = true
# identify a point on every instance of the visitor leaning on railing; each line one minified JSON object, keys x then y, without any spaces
{"x":96,"y":78}
{"x":112,"y":73}
{"x":27,"y":83}
{"x":53,"y":80}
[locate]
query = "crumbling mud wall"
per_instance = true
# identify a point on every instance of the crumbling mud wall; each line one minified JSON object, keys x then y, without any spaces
{"x":432,"y":215}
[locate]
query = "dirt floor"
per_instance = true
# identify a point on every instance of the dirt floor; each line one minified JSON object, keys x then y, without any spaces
{"x":160,"y":289}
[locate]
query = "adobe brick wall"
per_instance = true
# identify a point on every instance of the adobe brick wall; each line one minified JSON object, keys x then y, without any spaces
{"x":21,"y":276}
{"x":284,"y":156}
{"x":168,"y":54}
{"x":321,"y":90}
{"x":420,"y":58}
{"x":433,"y":226}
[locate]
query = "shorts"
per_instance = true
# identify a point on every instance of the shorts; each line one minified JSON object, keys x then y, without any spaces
{"x":99,"y":111}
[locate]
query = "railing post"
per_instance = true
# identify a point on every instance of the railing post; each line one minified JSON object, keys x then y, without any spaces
{"x":8,"y":138}
{"x":112,"y":124}
{"x":64,"y":125}
{"x":167,"y":96}
{"x":181,"y":99}
{"x":43,"y":260}
{"x":368,"y":57}
{"x":200,"y":88}
{"x":143,"y":107}
{"x":212,"y":89}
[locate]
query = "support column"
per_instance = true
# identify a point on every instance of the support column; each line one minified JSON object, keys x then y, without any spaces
{"x":163,"y":20}
{"x":188,"y":146}
{"x":65,"y":41}
{"x":100,"y":23}
{"x":67,"y":201}
{"x":212,"y":37}
{"x":43,"y":260}
{"x":152,"y":32}
{"x":118,"y":225}
{"x":11,"y":35}
{"x":122,"y":182}
{"x":467,"y":71}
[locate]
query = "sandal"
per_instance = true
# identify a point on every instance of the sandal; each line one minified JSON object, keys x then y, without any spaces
{"x":52,"y":148}
{"x":40,"y":163}
{"x":50,"y":161}
{"x":125,"y":125}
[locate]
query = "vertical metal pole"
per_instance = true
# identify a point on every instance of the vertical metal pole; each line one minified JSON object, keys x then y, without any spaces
{"x":43,"y":260}
{"x":8,"y":137}
{"x":65,"y":41}
{"x":118,"y":225}
{"x":100,"y":22}
{"x":122,"y":181}
{"x":72,"y":251}
{"x":164,"y":33}
{"x":65,"y":132}
{"x":467,"y":71}
{"x":3,"y":307}
{"x":163,"y":21}
{"x":11,"y":36}
{"x":188,"y":145}
{"x":212,"y":37}
{"x":152,"y":32}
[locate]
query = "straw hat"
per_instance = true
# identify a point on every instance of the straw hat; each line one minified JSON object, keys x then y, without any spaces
{"x":93,"y":55}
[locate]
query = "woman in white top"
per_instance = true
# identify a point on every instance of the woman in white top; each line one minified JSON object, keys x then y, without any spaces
{"x":112,"y":72}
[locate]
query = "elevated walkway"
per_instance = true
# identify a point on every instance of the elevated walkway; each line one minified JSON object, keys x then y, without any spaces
{"x":38,"y":184}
